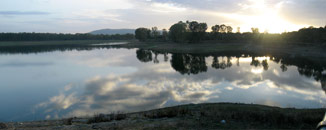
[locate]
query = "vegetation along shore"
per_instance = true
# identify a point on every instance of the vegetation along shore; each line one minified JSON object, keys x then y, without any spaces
{"x":199,"y":116}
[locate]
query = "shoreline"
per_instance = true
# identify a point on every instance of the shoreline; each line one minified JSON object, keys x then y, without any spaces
{"x":315,"y":51}
{"x":191,"y":116}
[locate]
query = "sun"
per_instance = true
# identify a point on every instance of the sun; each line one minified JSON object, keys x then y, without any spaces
{"x":264,"y":16}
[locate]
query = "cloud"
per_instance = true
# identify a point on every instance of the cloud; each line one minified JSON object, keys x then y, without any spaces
{"x":119,"y":93}
{"x":152,"y":86}
{"x":25,"y":64}
{"x":87,"y":15}
{"x":167,"y":8}
{"x":17,"y":13}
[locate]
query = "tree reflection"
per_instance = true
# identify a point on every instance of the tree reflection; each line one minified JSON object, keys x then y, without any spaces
{"x":323,"y":82}
{"x":265,"y":65}
{"x":223,"y":64}
{"x":284,"y":68}
{"x":188,"y":64}
{"x":255,"y":62}
{"x":166,"y":57}
{"x":156,"y":61}
{"x":144,"y":55}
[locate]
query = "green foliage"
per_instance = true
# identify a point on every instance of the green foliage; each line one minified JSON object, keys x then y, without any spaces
{"x":165,"y":35}
{"x":155,"y":33}
{"x":216,"y":28}
{"x":107,"y":118}
{"x":142,"y":34}
{"x":178,"y":32}
{"x":255,"y":30}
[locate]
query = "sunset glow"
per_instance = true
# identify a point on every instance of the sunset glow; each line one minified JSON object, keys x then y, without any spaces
{"x":81,"y":16}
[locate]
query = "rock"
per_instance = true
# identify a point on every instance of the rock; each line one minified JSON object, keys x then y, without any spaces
{"x":96,"y":127}
{"x":79,"y":121}
{"x":3,"y":126}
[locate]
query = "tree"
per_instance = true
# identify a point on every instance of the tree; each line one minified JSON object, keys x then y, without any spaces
{"x":223,"y":28}
{"x":165,"y":34}
{"x":198,"y":31}
{"x":216,"y":28}
{"x":229,"y":29}
{"x":255,"y":30}
{"x":142,"y":34}
{"x":193,"y":26}
{"x":203,"y":27}
{"x":238,"y":29}
{"x":155,"y":33}
{"x":178,"y":32}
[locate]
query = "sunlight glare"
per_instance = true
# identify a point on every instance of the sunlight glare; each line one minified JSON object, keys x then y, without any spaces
{"x":257,"y":14}
{"x":257,"y":70}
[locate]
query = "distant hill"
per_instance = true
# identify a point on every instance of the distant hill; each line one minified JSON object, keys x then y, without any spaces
{"x":113,"y":31}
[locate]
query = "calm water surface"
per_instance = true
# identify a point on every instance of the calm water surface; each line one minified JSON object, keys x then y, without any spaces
{"x":56,"y":84}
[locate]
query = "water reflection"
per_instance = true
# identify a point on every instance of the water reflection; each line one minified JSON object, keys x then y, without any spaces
{"x":195,"y":64}
{"x":223,"y":64}
{"x":323,"y":82}
{"x":188,"y":64}
{"x":137,"y":80}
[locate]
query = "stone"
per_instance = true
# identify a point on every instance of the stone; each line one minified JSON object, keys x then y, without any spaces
{"x":3,"y":126}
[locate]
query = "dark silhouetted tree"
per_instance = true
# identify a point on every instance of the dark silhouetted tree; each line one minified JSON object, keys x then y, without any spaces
{"x":238,"y":29}
{"x":142,"y":34}
{"x":155,"y":33}
{"x":216,"y":28}
{"x":165,"y":35}
{"x":223,"y":28}
{"x":177,"y":32}
{"x":255,"y":30}
{"x":229,"y":29}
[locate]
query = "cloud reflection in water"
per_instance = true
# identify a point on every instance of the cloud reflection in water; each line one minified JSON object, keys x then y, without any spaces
{"x":228,"y":79}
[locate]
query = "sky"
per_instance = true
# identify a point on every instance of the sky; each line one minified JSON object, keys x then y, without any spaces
{"x":82,"y":16}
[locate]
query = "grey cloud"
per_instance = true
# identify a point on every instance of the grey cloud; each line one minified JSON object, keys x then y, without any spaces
{"x":16,"y":13}
{"x":305,"y":11}
{"x":25,"y":64}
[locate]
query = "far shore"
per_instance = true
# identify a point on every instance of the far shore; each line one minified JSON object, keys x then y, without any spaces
{"x":303,"y":50}
{"x":192,"y":116}
{"x":314,"y":52}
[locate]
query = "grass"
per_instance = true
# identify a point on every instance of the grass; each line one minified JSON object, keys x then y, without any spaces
{"x":242,"y":116}
{"x":107,"y":118}
{"x":196,"y":116}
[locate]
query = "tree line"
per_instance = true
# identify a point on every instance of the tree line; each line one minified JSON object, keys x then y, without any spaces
{"x":55,"y":36}
{"x":193,"y":32}
{"x":192,"y":64}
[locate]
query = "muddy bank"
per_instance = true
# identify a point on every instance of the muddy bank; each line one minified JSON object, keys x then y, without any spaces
{"x":316,"y":51}
{"x":200,"y":116}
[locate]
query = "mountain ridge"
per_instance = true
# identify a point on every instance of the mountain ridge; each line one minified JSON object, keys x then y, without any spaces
{"x":109,"y":31}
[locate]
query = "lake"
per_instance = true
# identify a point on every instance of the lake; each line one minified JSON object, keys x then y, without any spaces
{"x":57,"y":82}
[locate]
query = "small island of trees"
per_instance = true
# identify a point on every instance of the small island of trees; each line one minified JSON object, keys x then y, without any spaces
{"x":195,"y":32}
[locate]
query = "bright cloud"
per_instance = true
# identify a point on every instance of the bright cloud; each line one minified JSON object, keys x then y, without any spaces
{"x":87,"y":15}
